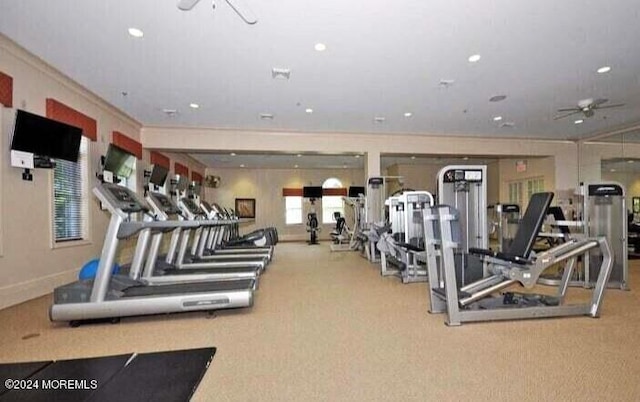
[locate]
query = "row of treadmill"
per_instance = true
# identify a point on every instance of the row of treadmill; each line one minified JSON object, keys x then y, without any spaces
{"x":527,"y":273}
{"x":187,"y":256}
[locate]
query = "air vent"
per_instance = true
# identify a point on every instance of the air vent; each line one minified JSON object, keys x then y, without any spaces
{"x":445,"y":83}
{"x":283,"y":73}
{"x":508,"y":124}
{"x":379,"y":119}
{"x":266,"y":116}
{"x":170,"y":112}
{"x":497,"y":98}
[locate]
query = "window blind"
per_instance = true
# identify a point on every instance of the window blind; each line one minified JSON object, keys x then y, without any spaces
{"x":70,"y":198}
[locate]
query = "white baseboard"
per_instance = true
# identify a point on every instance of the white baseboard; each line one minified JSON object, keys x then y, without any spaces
{"x":24,"y":291}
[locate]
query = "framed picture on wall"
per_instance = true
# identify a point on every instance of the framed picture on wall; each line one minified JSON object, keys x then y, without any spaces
{"x":246,"y":207}
{"x":635,"y":202}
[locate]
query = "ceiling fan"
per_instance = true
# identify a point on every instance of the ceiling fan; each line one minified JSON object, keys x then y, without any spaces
{"x":239,"y":6}
{"x":587,"y":107}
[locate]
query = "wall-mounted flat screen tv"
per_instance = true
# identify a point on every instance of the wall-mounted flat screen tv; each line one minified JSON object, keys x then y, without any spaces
{"x":158,"y":175}
{"x":312,"y":192}
{"x":119,"y":162}
{"x":355,"y":191}
{"x":45,"y":137}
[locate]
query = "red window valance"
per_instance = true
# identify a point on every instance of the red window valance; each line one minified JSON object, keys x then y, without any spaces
{"x":60,"y":112}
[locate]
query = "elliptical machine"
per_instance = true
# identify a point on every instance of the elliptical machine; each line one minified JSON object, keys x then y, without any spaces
{"x":312,"y":228}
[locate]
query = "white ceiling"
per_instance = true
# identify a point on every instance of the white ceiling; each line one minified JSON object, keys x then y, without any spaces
{"x":382,"y":59}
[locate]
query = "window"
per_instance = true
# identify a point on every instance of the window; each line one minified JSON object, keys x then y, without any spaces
{"x":331,"y":203}
{"x":131,"y":181}
{"x":293,"y":210}
{"x":70,"y":200}
{"x":515,"y":193}
{"x":534,"y":186}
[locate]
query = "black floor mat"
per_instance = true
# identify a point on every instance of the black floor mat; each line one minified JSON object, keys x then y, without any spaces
{"x":166,"y":376}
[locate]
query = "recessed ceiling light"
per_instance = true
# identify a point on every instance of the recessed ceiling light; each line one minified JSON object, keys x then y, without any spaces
{"x":497,"y":98}
{"x":630,"y":161}
{"x":466,"y":158}
{"x":604,"y":69}
{"x":579,"y":121}
{"x":408,"y":114}
{"x":344,"y":166}
{"x":136,"y":33}
{"x":194,"y":105}
{"x":474,"y":58}
{"x":242,"y":165}
{"x":309,"y":110}
{"x":413,"y":157}
{"x":612,"y":170}
{"x":497,"y":118}
{"x":295,"y":166}
{"x":356,"y":155}
{"x":232,"y":154}
{"x":299,"y":155}
{"x":320,"y":47}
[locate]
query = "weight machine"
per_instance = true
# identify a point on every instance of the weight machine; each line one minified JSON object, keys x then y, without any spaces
{"x":464,"y":187}
{"x":480,"y":300}
{"x":404,"y":247}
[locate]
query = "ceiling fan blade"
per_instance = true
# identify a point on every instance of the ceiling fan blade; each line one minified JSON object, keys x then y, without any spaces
{"x":610,"y":106}
{"x":562,"y":116}
{"x":243,"y":11}
{"x":600,"y":101}
{"x":570,"y":109}
{"x":186,"y":5}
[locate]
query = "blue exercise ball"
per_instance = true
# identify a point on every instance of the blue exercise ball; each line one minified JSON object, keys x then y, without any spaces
{"x":88,"y":270}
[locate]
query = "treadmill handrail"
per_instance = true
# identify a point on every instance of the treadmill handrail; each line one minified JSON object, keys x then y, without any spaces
{"x":128,"y":229}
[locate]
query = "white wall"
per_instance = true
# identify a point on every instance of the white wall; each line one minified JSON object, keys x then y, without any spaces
{"x":265,"y":185}
{"x":189,"y":139}
{"x":30,"y":264}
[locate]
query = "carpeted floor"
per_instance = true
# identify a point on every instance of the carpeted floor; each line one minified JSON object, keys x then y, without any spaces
{"x":326,"y":326}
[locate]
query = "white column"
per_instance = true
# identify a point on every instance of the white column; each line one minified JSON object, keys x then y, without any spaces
{"x":371,"y":164}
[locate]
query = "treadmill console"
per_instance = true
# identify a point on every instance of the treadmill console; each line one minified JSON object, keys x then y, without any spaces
{"x":121,"y":198}
{"x":191,"y":206}
{"x":164,"y":203}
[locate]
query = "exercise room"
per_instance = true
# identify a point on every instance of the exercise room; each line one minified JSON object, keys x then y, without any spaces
{"x":336,"y":201}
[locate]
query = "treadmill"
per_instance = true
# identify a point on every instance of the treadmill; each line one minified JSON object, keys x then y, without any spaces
{"x":114,"y":296}
{"x":214,"y":245}
{"x":217,"y":233}
{"x":157,"y":270}
{"x":196,"y":259}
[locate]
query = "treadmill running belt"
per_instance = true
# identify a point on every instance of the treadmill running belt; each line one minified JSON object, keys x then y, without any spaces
{"x":186,"y":288}
{"x":163,"y":376}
